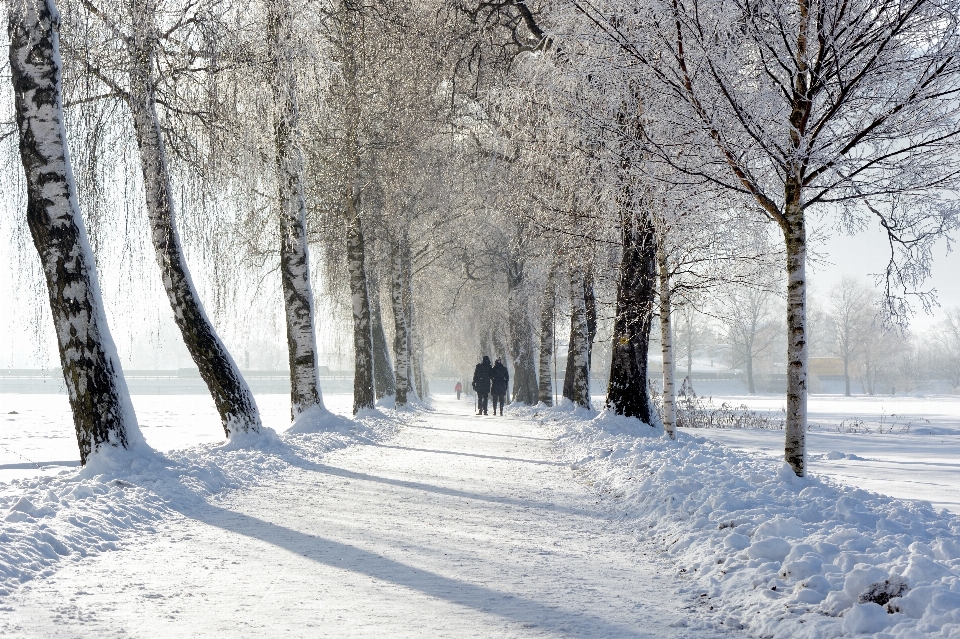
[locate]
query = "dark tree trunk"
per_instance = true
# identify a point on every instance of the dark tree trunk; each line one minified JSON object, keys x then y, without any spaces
{"x":750,"y":385}
{"x":525,"y":388}
{"x":294,"y":252}
{"x":102,"y":412}
{"x":590,"y":302}
{"x":414,"y":363}
{"x":547,"y":317}
{"x":400,"y":341}
{"x":628,"y":392}
{"x":231,"y":395}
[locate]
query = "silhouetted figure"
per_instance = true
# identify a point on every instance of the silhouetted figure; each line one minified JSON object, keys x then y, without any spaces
{"x":499,"y":381}
{"x":459,"y":389}
{"x":481,"y":384}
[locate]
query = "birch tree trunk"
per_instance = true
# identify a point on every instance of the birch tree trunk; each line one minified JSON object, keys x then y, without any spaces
{"x":363,"y":392}
{"x":383,"y":377}
{"x":590,"y":303}
{"x":796,"y":244}
{"x":400,"y":340}
{"x":666,"y":346}
{"x":294,"y":259}
{"x":628,"y":392}
{"x":414,"y":371}
{"x":576,"y":381}
{"x":102,"y":412}
{"x":521,"y":336}
{"x":231,"y":395}
{"x":547,"y":315}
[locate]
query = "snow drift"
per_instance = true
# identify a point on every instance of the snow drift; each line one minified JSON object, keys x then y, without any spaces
{"x":765,"y":550}
{"x":71,"y":515}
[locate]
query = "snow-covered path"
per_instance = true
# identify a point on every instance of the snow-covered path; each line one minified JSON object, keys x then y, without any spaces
{"x":460,"y":526}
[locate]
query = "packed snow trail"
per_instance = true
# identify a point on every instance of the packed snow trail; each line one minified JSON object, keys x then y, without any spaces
{"x":460,"y":526}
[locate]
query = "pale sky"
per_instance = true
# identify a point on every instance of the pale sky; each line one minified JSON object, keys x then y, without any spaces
{"x":867,"y":253}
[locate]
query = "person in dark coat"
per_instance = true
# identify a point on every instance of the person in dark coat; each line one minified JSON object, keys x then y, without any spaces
{"x":481,"y":384}
{"x":499,"y":380}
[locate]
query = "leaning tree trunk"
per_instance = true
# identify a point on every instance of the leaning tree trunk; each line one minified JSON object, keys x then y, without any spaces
{"x":400,"y":341}
{"x":547,"y":315}
{"x":294,"y":259}
{"x":102,"y":412}
{"x":796,"y":244}
{"x":666,"y":346}
{"x":628,"y":392}
{"x":576,"y":381}
{"x":231,"y":395}
{"x":521,"y":337}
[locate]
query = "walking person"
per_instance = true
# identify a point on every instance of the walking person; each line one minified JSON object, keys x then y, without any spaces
{"x":499,"y":381}
{"x":459,"y":389}
{"x":481,"y":384}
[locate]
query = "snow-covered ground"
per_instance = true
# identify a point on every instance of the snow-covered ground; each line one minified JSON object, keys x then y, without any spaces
{"x":916,"y":457}
{"x":546,"y":523}
{"x":453,"y":526}
{"x":767,"y":551}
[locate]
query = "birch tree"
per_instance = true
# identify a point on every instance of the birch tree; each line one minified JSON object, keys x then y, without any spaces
{"x":294,"y":259}
{"x":103,"y":415}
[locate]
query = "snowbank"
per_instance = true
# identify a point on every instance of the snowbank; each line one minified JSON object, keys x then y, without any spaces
{"x":93,"y":509}
{"x":765,"y":550}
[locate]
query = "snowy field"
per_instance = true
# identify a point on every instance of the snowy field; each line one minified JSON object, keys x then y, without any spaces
{"x":917,"y":456}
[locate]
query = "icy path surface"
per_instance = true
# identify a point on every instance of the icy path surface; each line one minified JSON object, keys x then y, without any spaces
{"x":460,"y":526}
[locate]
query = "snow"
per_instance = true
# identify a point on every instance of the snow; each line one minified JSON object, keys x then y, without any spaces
{"x":451,"y":526}
{"x":779,"y":555}
{"x":921,"y":462}
{"x":549,"y":522}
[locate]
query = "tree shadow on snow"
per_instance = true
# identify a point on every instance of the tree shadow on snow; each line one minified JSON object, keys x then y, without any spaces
{"x":305,"y":464}
{"x":528,"y":612}
{"x":478,"y":432}
{"x":542,"y":462}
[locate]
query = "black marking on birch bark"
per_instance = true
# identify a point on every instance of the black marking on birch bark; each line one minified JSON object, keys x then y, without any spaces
{"x":93,"y":379}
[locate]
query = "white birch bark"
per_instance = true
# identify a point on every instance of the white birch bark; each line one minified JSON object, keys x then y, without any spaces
{"x":796,"y":417}
{"x":400,"y":340}
{"x":576,"y":383}
{"x":231,"y":395}
{"x":103,"y":415}
{"x":294,"y":253}
{"x":666,"y":347}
